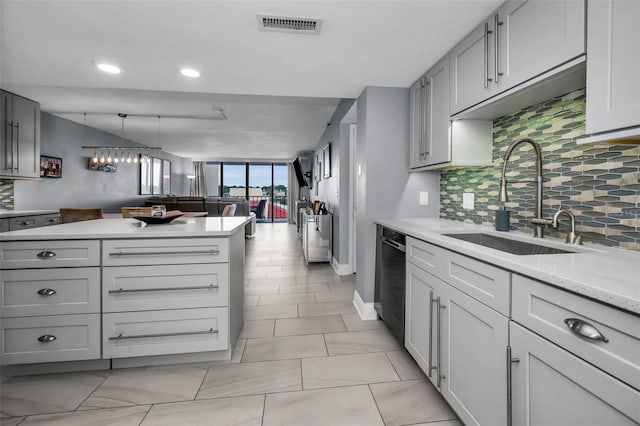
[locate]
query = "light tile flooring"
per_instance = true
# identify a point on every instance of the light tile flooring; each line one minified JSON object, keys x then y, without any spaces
{"x":304,"y":358}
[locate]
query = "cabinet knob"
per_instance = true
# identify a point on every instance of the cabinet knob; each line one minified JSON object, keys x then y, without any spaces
{"x":46,"y":254}
{"x":46,"y":292}
{"x":47,"y":338}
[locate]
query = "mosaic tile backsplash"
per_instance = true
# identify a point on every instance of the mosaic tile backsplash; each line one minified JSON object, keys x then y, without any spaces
{"x":6,"y":194}
{"x":599,"y":183}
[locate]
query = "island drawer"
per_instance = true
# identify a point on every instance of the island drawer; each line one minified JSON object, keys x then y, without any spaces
{"x":32,"y":292}
{"x":49,"y":254}
{"x":148,"y":333}
{"x":564,"y":318}
{"x":50,"y":338}
{"x":169,"y":251}
{"x":151,"y":288}
{"x":48,"y":219}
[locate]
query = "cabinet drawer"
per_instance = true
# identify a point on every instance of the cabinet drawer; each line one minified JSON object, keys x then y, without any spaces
{"x":164,"y":332}
{"x":49,"y":254}
{"x":423,"y":255}
{"x":22,"y":222}
{"x":4,"y":225}
{"x":50,"y":338}
{"x":48,"y":219}
{"x":544,"y":309}
{"x":164,"y":251}
{"x":149,"y":288}
{"x":486,"y":283}
{"x":29,"y":292}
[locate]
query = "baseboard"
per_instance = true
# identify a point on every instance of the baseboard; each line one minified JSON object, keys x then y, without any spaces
{"x":340,"y":269}
{"x":366,"y":310}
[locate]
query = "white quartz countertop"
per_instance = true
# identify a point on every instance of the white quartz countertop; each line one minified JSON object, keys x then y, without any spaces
{"x":605,"y":274}
{"x":131,"y":228}
{"x":18,"y":213}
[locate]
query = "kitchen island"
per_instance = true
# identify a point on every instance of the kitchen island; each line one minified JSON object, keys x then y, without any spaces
{"x":119,"y":293}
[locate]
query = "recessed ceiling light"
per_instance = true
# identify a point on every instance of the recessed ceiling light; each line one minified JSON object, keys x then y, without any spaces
{"x":108,"y":68}
{"x":190,"y":72}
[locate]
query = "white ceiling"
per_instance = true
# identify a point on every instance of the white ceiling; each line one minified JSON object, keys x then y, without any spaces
{"x":278,"y":90}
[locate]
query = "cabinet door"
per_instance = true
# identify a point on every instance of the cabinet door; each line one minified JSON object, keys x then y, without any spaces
{"x":416,"y":124}
{"x":6,"y":141}
{"x":473,"y":354}
{"x":613,"y":48}
{"x":550,"y":386}
{"x":552,"y":32}
{"x":437,"y":143}
{"x":26,"y":118}
{"x":418,"y":330}
{"x":471,"y":70}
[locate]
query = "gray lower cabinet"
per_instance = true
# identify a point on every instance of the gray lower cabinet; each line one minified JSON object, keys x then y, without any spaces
{"x":613,"y":49}
{"x":551,"y":386}
{"x":459,"y":342}
{"x":4,"y":225}
{"x":17,"y":223}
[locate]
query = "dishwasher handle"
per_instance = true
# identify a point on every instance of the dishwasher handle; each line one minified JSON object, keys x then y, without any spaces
{"x":394,"y":244}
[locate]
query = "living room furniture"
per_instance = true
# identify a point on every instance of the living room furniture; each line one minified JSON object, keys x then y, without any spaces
{"x":229,"y":210}
{"x":260,"y":209}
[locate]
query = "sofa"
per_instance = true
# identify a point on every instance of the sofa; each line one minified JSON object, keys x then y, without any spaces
{"x":212,"y":205}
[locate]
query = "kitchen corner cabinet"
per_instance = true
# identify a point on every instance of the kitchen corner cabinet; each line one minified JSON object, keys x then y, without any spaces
{"x":613,"y":49}
{"x":459,"y":342}
{"x":430,"y":117}
{"x":511,"y":47}
{"x":19,"y":137}
{"x":437,"y":142}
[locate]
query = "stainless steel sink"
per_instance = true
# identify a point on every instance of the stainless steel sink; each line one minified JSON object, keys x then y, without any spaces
{"x":519,"y":248}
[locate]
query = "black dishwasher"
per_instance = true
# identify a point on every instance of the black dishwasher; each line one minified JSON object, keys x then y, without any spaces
{"x":390,"y":280}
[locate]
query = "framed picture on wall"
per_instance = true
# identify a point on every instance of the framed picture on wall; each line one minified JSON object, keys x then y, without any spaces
{"x":50,"y":167}
{"x":326,"y":161}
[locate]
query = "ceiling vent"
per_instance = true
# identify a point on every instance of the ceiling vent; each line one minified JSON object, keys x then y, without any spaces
{"x":289,"y":24}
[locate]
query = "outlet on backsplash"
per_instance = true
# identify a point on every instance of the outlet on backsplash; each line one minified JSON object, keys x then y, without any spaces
{"x":468,"y":200}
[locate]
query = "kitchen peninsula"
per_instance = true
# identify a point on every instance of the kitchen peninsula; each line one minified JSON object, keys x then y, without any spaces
{"x":118,"y":293}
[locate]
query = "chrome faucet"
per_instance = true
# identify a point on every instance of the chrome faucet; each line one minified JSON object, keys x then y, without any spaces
{"x":503,"y":197}
{"x":573,"y":236}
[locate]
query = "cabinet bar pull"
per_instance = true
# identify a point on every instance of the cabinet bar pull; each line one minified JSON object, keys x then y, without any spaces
{"x":486,"y":55}
{"x":145,"y":336}
{"x":585,"y":330}
{"x":46,"y":254}
{"x":17,"y":146}
{"x":509,"y":389}
{"x":46,"y":292}
{"x":139,"y":290}
{"x":431,"y":300}
{"x":47,"y":338}
{"x":439,"y":376}
{"x":497,"y":23}
{"x":155,"y":253}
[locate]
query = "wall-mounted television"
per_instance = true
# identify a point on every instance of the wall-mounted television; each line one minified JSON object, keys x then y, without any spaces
{"x":297,"y":166}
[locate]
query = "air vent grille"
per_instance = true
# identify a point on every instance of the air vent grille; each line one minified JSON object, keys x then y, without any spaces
{"x":289,"y":24}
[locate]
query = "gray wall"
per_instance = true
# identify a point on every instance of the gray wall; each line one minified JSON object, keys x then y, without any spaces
{"x":334,"y":191}
{"x":385,"y":188}
{"x":79,"y":186}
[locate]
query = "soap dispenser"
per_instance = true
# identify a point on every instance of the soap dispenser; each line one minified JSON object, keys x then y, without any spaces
{"x":502,"y":219}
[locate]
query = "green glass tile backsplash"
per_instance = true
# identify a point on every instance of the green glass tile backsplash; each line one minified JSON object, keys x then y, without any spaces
{"x":599,"y":183}
{"x":6,"y":194}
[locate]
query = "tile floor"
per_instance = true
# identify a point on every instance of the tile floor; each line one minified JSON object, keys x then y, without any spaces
{"x":305,"y":358}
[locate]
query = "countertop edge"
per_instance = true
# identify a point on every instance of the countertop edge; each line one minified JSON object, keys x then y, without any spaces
{"x":430,"y":230}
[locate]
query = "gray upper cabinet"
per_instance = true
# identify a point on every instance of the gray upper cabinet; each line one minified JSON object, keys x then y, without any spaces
{"x":522,"y":40}
{"x":19,"y":137}
{"x":613,"y":49}
{"x":430,"y":117}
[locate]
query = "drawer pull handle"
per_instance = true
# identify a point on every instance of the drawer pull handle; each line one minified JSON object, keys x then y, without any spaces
{"x":145,"y":336}
{"x":584,"y":329}
{"x":46,"y":254}
{"x":138,"y":290}
{"x":157,"y":253}
{"x":47,"y":338}
{"x":26,"y":223}
{"x":46,"y":292}
{"x":53,"y":220}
